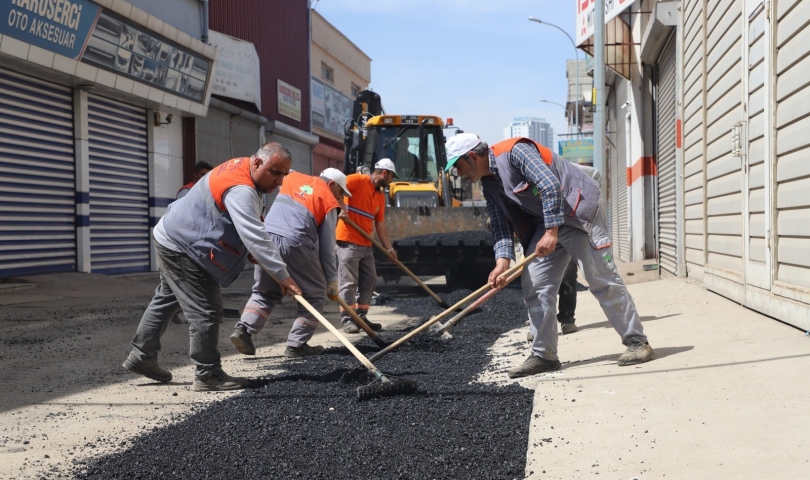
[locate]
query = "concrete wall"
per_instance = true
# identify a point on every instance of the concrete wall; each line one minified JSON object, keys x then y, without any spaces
{"x":184,"y":15}
{"x":329,"y":45}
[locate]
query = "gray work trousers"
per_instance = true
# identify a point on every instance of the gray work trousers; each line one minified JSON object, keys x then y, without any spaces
{"x":357,"y":276}
{"x":184,"y":286}
{"x":542,"y":277}
{"x":304,"y":266}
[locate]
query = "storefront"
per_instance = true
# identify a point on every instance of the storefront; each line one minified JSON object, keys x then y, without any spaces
{"x":88,"y":153}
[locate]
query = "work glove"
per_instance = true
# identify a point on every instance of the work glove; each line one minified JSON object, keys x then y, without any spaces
{"x":332,"y":290}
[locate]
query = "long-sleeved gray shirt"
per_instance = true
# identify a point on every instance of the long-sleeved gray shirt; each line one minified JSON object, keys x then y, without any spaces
{"x":245,"y":209}
{"x":326,"y":246}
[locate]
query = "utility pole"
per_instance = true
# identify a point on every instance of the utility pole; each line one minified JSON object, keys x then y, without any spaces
{"x":599,"y":98}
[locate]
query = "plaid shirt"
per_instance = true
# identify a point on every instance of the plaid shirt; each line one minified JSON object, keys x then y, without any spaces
{"x":526,"y":159}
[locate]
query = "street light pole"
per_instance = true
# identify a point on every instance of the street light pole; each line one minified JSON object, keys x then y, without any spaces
{"x":576,"y":54}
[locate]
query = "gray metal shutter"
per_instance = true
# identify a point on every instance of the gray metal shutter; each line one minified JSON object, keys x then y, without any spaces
{"x":37,"y":177}
{"x":621,"y":233}
{"x":214,"y":137}
{"x":119,"y":187}
{"x":792,"y":143}
{"x":301,"y":159}
{"x":244,"y":137}
{"x":665,"y":154}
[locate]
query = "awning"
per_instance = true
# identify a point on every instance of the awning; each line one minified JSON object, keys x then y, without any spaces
{"x":619,"y":51}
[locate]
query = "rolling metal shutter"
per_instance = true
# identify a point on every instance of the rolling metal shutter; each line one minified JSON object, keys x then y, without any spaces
{"x":724,"y":177}
{"x":301,"y":159}
{"x":37,"y":177}
{"x":621,"y":226}
{"x":119,"y":187}
{"x":793,"y":144}
{"x":665,"y":153}
{"x":693,"y":147}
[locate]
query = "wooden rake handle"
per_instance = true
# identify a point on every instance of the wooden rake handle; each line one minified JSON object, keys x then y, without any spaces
{"x":397,"y":262}
{"x":346,"y":343}
{"x":458,"y":304}
{"x":360,"y":323}
{"x":478,"y":302}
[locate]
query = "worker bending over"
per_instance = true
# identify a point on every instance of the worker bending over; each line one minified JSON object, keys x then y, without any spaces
{"x":554,"y":209}
{"x":301,"y":223}
{"x":356,"y":272}
{"x":201,"y":244}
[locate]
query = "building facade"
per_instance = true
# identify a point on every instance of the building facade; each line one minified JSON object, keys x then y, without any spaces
{"x":279,"y":30}
{"x":714,"y":111}
{"x":537,"y":129}
{"x":91,"y":144}
{"x":340,"y":70}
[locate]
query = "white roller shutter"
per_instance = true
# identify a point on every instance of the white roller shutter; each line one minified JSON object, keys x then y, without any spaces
{"x":665,"y":154}
{"x":37,"y":177}
{"x":119,"y":187}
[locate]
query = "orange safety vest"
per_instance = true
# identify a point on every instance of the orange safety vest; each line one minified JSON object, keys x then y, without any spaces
{"x":230,"y":174}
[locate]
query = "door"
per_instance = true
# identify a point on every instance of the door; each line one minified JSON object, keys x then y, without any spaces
{"x":665,"y":105}
{"x":37,"y":177}
{"x":620,"y":231}
{"x":119,"y":187}
{"x":757,"y":159}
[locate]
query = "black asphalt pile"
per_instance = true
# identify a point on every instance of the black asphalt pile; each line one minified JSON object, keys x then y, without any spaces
{"x":306,"y":422}
{"x":472,"y":237}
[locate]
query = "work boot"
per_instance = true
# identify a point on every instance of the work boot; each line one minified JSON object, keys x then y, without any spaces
{"x":303,"y":351}
{"x":148,"y":370}
{"x":374,"y":326}
{"x":219,"y":381}
{"x":350,"y":327}
{"x":636,"y":353}
{"x":242,"y":341}
{"x":529,"y":336}
{"x":534,"y":365}
{"x":569,"y":328}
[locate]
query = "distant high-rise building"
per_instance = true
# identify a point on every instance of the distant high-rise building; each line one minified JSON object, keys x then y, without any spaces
{"x":537,"y":129}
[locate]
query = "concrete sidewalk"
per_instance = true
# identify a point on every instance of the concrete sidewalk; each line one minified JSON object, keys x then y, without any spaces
{"x":724,"y":399}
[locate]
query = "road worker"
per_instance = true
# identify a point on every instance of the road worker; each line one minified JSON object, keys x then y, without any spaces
{"x":554,"y":209}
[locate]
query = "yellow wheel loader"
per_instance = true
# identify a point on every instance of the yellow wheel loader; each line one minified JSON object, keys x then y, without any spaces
{"x":436,"y":221}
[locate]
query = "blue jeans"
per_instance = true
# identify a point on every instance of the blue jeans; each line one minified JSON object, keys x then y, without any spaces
{"x":184,"y":286}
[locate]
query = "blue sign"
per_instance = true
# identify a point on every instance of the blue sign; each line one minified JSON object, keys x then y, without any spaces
{"x":61,"y":26}
{"x":577,"y":151}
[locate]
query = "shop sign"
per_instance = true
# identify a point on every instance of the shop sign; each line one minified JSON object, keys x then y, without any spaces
{"x":289,"y":101}
{"x":59,"y":26}
{"x":330,"y":108}
{"x":577,"y":151}
{"x":116,"y":45}
{"x":585,"y":15}
{"x":236,"y":72}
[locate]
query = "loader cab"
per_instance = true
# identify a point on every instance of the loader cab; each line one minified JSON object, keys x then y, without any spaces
{"x":415,"y":144}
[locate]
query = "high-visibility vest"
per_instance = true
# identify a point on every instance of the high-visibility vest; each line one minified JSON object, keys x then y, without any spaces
{"x":300,"y":208}
{"x":199,"y":223}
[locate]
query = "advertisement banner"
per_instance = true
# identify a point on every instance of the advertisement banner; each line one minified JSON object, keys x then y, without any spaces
{"x":585,"y":14}
{"x":236,"y":72}
{"x":330,"y":108}
{"x":59,"y":26}
{"x":577,"y":151}
{"x":289,"y":101}
{"x":132,"y":51}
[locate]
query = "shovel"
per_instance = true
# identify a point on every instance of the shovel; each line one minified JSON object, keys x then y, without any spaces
{"x":363,"y":325}
{"x":397,"y":262}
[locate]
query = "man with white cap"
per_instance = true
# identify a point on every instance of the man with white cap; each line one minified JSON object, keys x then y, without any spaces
{"x":356,"y":271}
{"x":554,"y":209}
{"x":302,"y":224}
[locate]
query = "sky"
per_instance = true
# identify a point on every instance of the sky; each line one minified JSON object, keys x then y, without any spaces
{"x":480,"y":62}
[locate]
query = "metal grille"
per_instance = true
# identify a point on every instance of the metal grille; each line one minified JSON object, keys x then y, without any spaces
{"x":619,"y":205}
{"x":665,"y":153}
{"x":119,"y":187}
{"x":37,"y":177}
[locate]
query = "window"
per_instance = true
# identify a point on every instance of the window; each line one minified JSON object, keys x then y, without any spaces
{"x":355,"y":91}
{"x":327,"y":73}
